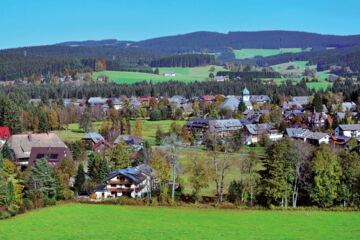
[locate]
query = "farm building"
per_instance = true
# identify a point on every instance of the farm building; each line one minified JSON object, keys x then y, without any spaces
{"x":348,"y":130}
{"x":253,"y":132}
{"x":92,"y":138}
{"x":169,"y":74}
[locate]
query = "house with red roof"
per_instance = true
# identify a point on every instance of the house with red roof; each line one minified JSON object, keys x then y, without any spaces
{"x":4,"y":133}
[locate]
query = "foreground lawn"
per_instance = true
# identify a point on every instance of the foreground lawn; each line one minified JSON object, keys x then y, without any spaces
{"x":77,"y":221}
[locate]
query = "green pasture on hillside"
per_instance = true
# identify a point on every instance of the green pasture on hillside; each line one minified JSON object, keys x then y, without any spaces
{"x":253,"y":52}
{"x":81,"y":221}
{"x":149,"y":129}
{"x":181,"y":74}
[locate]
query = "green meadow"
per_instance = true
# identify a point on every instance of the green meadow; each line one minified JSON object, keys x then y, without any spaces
{"x":81,"y":221}
{"x":73,"y":133}
{"x":181,"y":74}
{"x":252,"y":52}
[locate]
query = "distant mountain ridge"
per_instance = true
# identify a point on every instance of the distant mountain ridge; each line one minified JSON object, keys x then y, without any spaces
{"x":214,"y":41}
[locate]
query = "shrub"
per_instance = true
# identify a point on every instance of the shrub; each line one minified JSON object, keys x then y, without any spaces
{"x":13,"y":209}
{"x":9,"y":166}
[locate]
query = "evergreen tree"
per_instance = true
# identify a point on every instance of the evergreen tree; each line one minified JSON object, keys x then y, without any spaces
{"x":80,"y":178}
{"x":11,"y":193}
{"x":103,"y":171}
{"x":242,"y":106}
{"x":44,"y":126}
{"x":7,"y":153}
{"x":1,"y":162}
{"x":10,"y":115}
{"x":317,"y":103}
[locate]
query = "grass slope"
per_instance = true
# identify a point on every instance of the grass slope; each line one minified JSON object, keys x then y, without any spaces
{"x":77,"y":221}
{"x":182,"y":74}
{"x":251,"y":52}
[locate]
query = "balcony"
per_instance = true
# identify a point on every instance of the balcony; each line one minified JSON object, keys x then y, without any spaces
{"x":118,"y":182}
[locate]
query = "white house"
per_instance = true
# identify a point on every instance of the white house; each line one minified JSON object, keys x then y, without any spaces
{"x":348,"y":130}
{"x":131,"y":182}
{"x":315,"y":138}
{"x":253,"y":132}
{"x":169,"y":74}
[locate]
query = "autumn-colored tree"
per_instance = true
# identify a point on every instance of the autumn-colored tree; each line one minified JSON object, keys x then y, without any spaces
{"x":119,"y":156}
{"x":153,"y":103}
{"x":185,"y":134}
{"x":53,"y":120}
{"x":160,"y":164}
{"x":138,"y":128}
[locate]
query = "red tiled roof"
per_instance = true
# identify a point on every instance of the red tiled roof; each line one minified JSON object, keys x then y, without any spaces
{"x":4,"y":133}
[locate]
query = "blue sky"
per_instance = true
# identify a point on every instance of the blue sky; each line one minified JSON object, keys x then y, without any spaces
{"x":39,"y":22}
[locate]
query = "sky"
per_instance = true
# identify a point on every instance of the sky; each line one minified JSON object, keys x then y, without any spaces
{"x":41,"y":22}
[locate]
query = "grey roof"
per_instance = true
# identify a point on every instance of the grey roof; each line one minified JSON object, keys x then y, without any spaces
{"x":169,"y":72}
{"x":350,"y":127}
{"x":295,"y":132}
{"x":260,"y":98}
{"x":348,"y":105}
{"x":94,"y":136}
{"x":224,"y":125}
{"x":258,"y":129}
{"x":316,"y":135}
{"x":231,"y":103}
{"x":219,"y":78}
{"x":131,"y":173}
{"x":302,"y":100}
{"x":128,"y":139}
{"x":340,"y":115}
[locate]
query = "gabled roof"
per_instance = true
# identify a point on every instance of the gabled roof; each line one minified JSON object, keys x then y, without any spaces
{"x":224,"y":125}
{"x":258,"y":129}
{"x":128,"y":139}
{"x":97,"y":100}
{"x":295,"y":132}
{"x":130,"y":173}
{"x":302,"y":100}
{"x":350,"y":127}
{"x":94,"y":136}
{"x":22,"y":144}
{"x":231,"y":103}
{"x":260,"y":98}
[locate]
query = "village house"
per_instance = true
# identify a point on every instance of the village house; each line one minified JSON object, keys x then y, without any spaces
{"x":260,"y":99}
{"x":169,"y":74}
{"x":199,"y":127}
{"x":92,"y":138}
{"x":129,"y":182}
{"x":253,"y":132}
{"x":27,"y":148}
{"x":301,"y":100}
{"x":254,"y":115}
{"x":317,"y":120}
{"x":315,"y":138}
{"x":207,"y":98}
{"x":348,"y":130}
{"x":220,"y":78}
{"x":101,"y":146}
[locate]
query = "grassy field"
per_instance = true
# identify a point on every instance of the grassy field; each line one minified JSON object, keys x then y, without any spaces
{"x":80,"y":221}
{"x":149,"y":129}
{"x":251,"y":52}
{"x":182,"y":74}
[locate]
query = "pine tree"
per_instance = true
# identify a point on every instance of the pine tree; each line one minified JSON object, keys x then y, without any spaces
{"x":103,"y":171}
{"x":11,"y":193}
{"x":80,"y":178}
{"x":119,"y":156}
{"x":1,"y":162}
{"x":158,"y":136}
{"x":317,"y":103}
{"x":242,"y":106}
{"x":7,"y":153}
{"x":44,"y":126}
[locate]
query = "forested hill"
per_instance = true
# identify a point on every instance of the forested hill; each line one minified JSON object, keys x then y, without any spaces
{"x":213,"y":41}
{"x":198,"y":41}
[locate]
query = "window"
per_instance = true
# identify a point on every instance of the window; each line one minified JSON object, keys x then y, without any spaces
{"x":53,"y":156}
{"x":127,"y":185}
{"x":113,"y":185}
{"x":39,"y":156}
